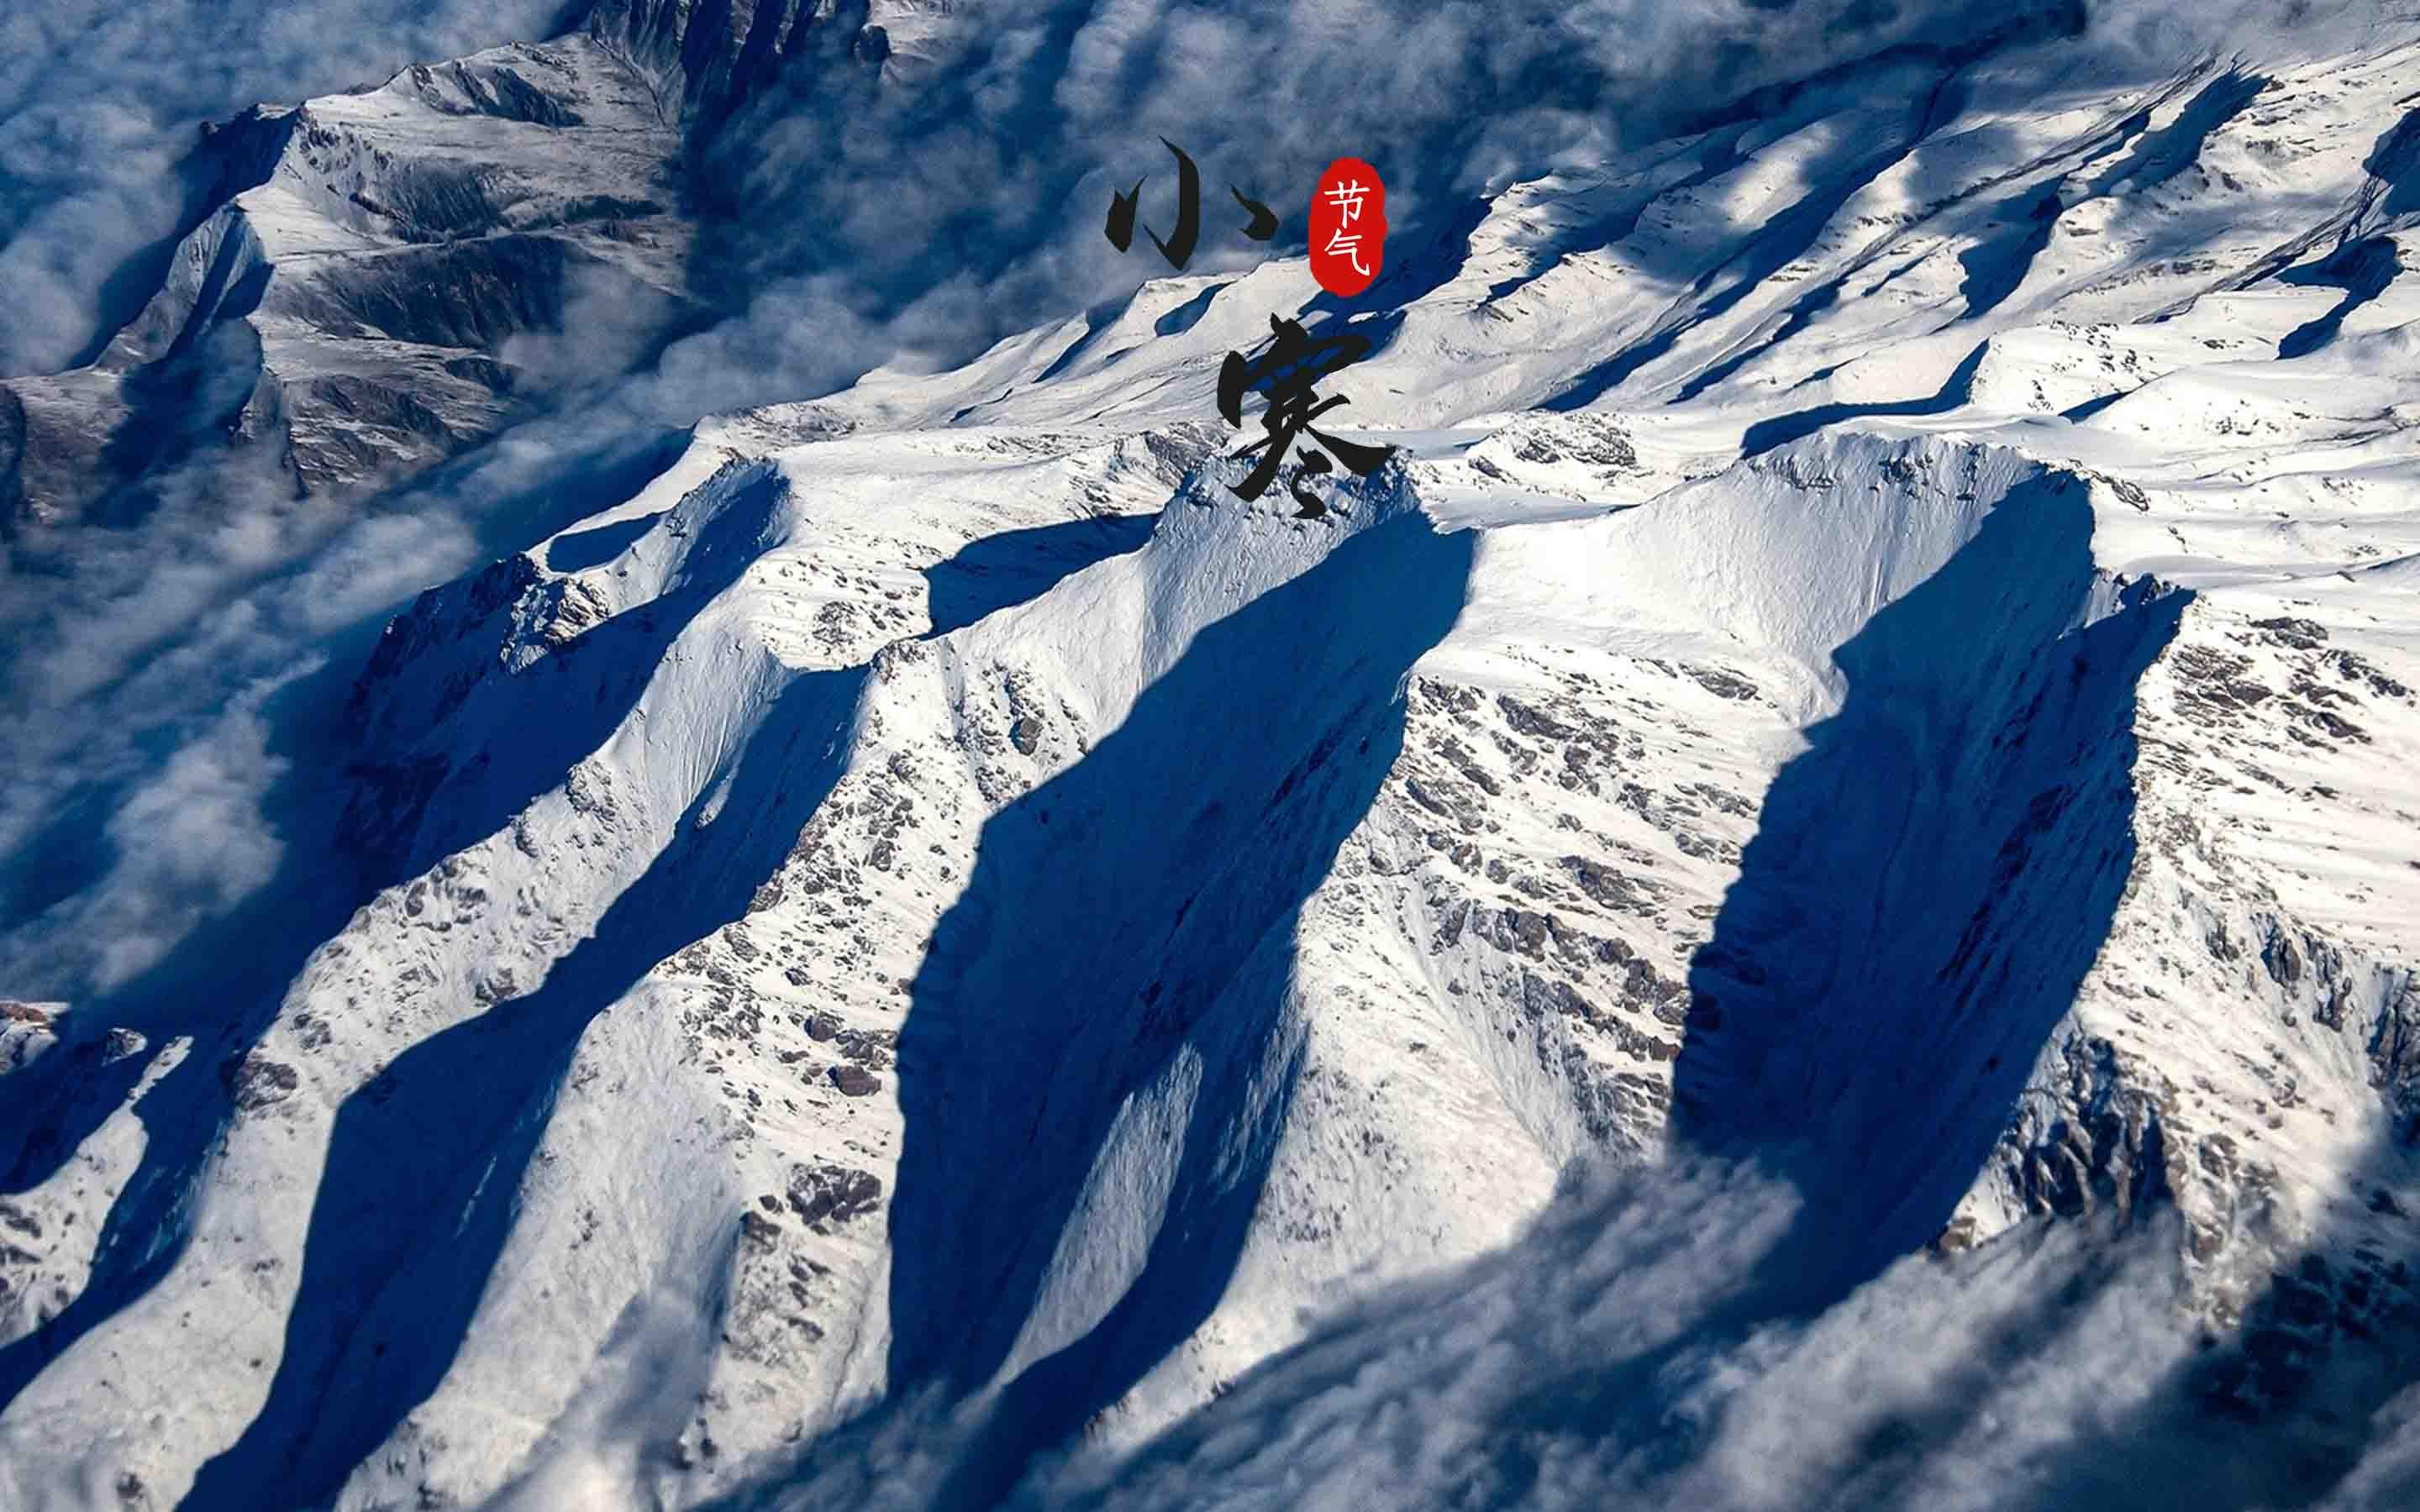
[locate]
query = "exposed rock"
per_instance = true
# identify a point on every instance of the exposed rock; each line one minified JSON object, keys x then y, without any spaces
{"x":837,"y":1193}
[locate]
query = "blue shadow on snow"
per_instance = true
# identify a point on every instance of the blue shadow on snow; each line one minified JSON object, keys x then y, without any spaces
{"x":1136,"y":910}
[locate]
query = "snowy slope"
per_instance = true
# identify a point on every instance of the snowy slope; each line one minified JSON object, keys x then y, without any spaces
{"x":1889,"y":649}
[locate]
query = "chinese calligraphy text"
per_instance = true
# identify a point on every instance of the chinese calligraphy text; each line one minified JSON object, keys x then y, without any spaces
{"x":1178,"y":245}
{"x":1287,"y":373}
{"x":1348,"y":227}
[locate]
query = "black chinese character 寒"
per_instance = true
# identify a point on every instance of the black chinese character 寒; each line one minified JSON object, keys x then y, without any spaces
{"x":1287,"y":373}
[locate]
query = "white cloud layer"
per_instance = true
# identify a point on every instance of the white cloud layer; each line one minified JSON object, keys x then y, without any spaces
{"x":1642,"y":1347}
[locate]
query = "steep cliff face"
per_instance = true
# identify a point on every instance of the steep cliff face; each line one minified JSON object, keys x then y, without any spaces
{"x":706,"y":58}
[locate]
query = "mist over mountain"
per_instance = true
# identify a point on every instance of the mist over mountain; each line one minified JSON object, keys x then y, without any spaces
{"x":668,"y":839}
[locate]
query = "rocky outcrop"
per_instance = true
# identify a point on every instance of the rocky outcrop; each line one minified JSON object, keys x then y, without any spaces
{"x":708,"y":57}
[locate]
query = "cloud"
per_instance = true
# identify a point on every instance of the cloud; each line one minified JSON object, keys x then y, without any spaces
{"x":195,"y":840}
{"x":1640,"y":1347}
{"x":2387,"y":1478}
{"x":995,"y":161}
{"x":136,"y":736}
{"x":1632,"y":1351}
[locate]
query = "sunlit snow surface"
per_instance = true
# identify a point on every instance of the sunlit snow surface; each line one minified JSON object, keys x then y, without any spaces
{"x":935,"y":935}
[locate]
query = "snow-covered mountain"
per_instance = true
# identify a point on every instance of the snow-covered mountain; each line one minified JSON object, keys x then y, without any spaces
{"x":377,"y":279}
{"x":1887,"y":650}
